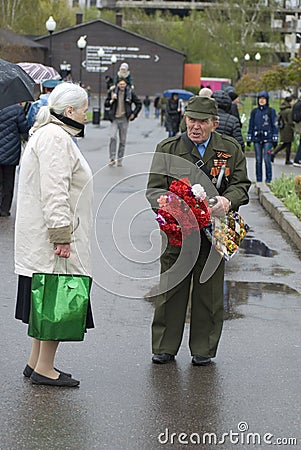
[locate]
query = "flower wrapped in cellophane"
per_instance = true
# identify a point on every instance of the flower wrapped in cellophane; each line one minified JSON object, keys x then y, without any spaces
{"x":226,"y":233}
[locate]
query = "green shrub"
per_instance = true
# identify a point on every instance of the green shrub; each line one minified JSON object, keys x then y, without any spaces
{"x":284,"y":189}
{"x":194,"y":89}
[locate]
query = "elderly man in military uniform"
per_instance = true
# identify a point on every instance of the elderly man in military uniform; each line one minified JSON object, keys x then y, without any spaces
{"x":216,"y":162}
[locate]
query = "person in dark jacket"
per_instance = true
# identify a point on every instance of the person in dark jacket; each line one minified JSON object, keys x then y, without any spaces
{"x":287,"y":130}
{"x":228,"y":124}
{"x":172,"y":115}
{"x":13,"y":125}
{"x":234,"y":108}
{"x":146,"y":103}
{"x":263,"y":131}
{"x":120,"y":114}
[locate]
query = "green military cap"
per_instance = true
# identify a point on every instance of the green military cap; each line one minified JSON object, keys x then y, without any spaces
{"x":201,"y":108}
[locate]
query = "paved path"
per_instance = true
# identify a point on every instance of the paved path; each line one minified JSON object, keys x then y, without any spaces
{"x":125,"y":402}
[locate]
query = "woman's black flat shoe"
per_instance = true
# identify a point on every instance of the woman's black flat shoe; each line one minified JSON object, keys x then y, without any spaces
{"x":63,"y":380}
{"x":28,"y":371}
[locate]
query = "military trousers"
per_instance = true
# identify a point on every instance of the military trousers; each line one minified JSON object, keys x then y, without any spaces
{"x":206,"y":318}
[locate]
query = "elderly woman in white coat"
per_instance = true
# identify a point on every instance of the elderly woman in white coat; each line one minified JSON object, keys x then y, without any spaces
{"x":54,"y":213}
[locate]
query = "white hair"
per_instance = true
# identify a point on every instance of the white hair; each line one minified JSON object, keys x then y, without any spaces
{"x":62,"y":96}
{"x":205,"y":92}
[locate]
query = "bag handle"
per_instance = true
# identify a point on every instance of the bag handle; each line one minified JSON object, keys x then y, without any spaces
{"x":73,"y":283}
{"x":58,"y":264}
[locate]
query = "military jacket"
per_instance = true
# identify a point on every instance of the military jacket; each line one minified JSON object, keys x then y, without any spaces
{"x":178,"y":157}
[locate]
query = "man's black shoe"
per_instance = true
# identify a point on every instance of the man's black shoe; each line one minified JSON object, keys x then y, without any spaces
{"x":62,"y":381}
{"x":198,"y":360}
{"x":163,"y":358}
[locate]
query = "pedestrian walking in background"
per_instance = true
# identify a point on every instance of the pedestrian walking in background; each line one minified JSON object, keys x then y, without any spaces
{"x":109,"y":81}
{"x":228,"y":124}
{"x":48,"y":86}
{"x":286,"y":130}
{"x":296,"y":116}
{"x":157,"y":106}
{"x":120,"y":113}
{"x":54,"y":214}
{"x":172,"y":115}
{"x":201,"y":144}
{"x":234,"y":106}
{"x":13,"y":127}
{"x":162,"y":105}
{"x":263,"y":132}
{"x":146,"y":104}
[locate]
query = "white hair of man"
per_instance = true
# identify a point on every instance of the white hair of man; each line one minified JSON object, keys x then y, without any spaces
{"x":62,"y":96}
{"x":205,"y":92}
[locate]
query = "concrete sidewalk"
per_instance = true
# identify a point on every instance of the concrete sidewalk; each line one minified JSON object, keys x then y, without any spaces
{"x":286,"y":220}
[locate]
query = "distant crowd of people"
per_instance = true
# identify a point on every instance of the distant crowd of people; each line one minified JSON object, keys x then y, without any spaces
{"x":269,"y":132}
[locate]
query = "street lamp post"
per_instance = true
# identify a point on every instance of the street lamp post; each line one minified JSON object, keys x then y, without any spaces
{"x":81,"y":44}
{"x":247,"y":59}
{"x":50,"y":26}
{"x":237,"y":66}
{"x":101,"y":54}
{"x":257,"y":59}
{"x":113,"y":61}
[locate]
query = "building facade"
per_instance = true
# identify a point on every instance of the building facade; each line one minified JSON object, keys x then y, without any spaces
{"x":154,"y":66}
{"x":85,"y":3}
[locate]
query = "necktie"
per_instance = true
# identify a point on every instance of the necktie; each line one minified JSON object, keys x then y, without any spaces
{"x":201,"y":149}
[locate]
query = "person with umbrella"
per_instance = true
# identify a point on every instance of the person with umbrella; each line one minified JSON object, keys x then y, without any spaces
{"x":15,"y":85}
{"x":173,"y":115}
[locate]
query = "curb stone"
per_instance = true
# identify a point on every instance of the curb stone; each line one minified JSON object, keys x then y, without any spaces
{"x":287,"y":221}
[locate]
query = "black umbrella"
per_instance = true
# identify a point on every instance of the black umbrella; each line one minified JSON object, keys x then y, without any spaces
{"x":15,"y":85}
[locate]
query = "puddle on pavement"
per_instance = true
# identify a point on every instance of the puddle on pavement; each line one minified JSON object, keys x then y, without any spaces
{"x":256,"y":247}
{"x":269,"y":295}
{"x":238,"y":293}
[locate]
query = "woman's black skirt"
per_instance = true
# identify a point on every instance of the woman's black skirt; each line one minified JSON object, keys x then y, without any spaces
{"x":24,"y":300}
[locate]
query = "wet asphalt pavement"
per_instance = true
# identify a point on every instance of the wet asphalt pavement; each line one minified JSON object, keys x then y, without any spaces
{"x":251,"y":392}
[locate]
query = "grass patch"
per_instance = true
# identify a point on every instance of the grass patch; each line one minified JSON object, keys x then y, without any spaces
{"x":284,"y":189}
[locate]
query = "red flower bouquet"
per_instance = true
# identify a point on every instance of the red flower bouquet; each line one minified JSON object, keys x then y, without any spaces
{"x":183,"y":209}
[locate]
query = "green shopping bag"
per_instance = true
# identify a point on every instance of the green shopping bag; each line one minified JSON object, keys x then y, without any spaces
{"x":59,"y":304}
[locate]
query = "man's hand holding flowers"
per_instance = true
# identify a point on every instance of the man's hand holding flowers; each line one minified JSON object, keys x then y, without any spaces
{"x":221,"y":207}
